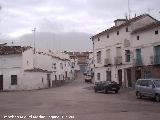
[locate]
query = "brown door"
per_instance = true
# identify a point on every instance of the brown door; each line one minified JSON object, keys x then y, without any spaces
{"x":1,"y":82}
{"x":138,"y":74}
{"x":108,"y":75}
{"x":49,"y":80}
{"x":120,"y":77}
{"x":129,"y":77}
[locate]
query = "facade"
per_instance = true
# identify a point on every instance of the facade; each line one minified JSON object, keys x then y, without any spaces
{"x":146,"y":50}
{"x":81,"y":59}
{"x":22,"y":69}
{"x":113,"y":50}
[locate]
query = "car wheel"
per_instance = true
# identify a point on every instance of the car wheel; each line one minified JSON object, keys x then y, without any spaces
{"x":139,"y":96}
{"x":157,"y":98}
{"x":116,"y":91}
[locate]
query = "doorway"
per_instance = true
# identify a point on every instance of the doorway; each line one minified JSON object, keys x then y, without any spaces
{"x":108,"y":75}
{"x":120,"y":77}
{"x":129,"y":77}
{"x":49,"y":80}
{"x":138,"y":73}
{"x":1,"y":82}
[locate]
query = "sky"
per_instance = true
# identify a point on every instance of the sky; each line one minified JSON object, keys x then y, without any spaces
{"x":64,"y":18}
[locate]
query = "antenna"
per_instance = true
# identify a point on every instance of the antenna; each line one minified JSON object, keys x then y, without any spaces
{"x":129,"y":10}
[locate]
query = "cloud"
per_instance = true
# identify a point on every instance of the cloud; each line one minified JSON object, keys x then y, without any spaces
{"x":70,"y":41}
{"x":18,"y":17}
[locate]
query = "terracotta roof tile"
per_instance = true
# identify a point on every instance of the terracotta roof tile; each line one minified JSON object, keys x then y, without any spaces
{"x":114,"y":28}
{"x":147,"y":27}
{"x":7,"y":50}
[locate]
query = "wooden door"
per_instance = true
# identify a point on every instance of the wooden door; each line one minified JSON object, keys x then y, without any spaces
{"x":1,"y":82}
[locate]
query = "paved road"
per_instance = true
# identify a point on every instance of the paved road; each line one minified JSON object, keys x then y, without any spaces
{"x":76,"y":101}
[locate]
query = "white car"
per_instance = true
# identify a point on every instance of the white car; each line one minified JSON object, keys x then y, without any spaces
{"x":88,"y":78}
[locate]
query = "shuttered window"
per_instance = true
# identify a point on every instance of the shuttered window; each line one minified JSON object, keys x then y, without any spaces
{"x":13,"y":79}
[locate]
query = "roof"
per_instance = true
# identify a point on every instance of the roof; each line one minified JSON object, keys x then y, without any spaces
{"x":114,"y":28}
{"x":37,"y":70}
{"x":120,"y":20}
{"x":147,"y":27}
{"x":8,"y":50}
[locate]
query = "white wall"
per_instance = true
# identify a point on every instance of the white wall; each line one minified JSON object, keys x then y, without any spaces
{"x":43,"y":62}
{"x":147,"y":41}
{"x":28,"y":59}
{"x":20,"y":64}
{"x":25,"y":80}
{"x":102,"y":43}
{"x":112,"y":43}
{"x":10,"y":61}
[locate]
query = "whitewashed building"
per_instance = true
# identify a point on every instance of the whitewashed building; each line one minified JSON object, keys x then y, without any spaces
{"x":22,"y":68}
{"x":113,"y":52}
{"x":146,"y":50}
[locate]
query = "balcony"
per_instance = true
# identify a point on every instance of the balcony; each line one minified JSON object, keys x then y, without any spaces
{"x":155,"y":60}
{"x":138,"y":62}
{"x":118,"y":60}
{"x":107,"y":62}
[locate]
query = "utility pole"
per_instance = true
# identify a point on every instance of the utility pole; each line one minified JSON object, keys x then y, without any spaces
{"x":34,"y":32}
{"x":34,"y":42}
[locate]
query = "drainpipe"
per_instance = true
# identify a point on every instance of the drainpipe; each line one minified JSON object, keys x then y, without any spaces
{"x":93,"y":61}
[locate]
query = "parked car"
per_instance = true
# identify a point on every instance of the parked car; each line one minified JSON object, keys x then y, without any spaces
{"x":148,"y":88}
{"x":106,"y":86}
{"x":88,"y":78}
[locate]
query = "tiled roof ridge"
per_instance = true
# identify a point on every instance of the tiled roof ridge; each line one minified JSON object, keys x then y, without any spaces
{"x":123,"y":24}
{"x":7,"y":50}
{"x":152,"y":25}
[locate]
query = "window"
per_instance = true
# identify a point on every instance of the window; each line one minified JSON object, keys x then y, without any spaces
{"x":13,"y":79}
{"x":55,"y":77}
{"x":68,"y":64}
{"x":59,"y":77}
{"x":98,"y":39}
{"x":61,"y":65}
{"x":138,"y":37}
{"x":98,"y":56}
{"x":126,"y":29}
{"x":156,"y":32}
{"x":138,"y":82}
{"x":144,"y":83}
{"x":54,"y":65}
{"x":107,"y":35}
{"x":108,"y":53}
{"x":157,"y":54}
{"x":117,"y":32}
{"x":98,"y":76}
{"x":127,"y":55}
{"x":42,"y":80}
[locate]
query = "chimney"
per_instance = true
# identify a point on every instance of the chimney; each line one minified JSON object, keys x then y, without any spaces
{"x":119,"y":21}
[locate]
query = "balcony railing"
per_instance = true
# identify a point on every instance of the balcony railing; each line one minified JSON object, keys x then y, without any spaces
{"x":107,"y":62}
{"x":138,"y":62}
{"x":118,"y":60}
{"x":155,"y":60}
